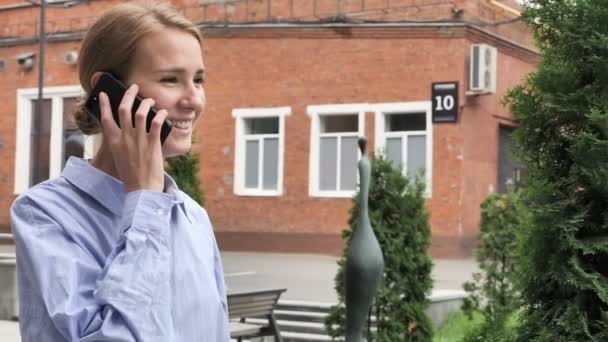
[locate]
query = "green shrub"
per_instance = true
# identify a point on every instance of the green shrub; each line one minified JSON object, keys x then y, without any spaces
{"x":499,"y":327}
{"x":492,"y":290}
{"x":456,"y":325}
{"x":400,"y":221}
{"x":184,"y":170}
{"x":562,"y":110}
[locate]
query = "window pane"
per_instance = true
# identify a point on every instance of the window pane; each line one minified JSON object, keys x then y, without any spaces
{"x":252,"y":160}
{"x":328,"y":163}
{"x":405,"y":122}
{"x":339,"y":123}
{"x":348,"y":164}
{"x":69,"y":107}
{"x":40,"y":141}
{"x":73,"y":139}
{"x":262,"y":126}
{"x":394,"y":151}
{"x":416,"y":154}
{"x":271,"y":164}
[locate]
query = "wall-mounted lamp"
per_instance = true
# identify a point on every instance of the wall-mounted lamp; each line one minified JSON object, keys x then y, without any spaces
{"x":26,"y":60}
{"x":71,"y":57}
{"x":457,"y":12}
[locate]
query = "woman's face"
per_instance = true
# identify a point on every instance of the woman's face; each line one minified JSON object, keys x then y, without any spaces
{"x":168,"y":67}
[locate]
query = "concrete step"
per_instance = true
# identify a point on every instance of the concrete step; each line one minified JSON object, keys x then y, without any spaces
{"x":301,"y":321}
{"x":302,"y":327}
{"x":302,"y":337}
{"x":292,"y":326}
{"x":306,"y":306}
{"x":9,"y":331}
{"x":300,"y":316}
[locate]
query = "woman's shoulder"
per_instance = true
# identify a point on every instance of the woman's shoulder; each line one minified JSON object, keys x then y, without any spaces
{"x":46,"y":190}
{"x":193,"y":207}
{"x":190,"y":203}
{"x":52,"y":196}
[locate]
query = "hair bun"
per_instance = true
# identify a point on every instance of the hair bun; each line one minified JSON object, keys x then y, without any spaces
{"x":85,"y":120}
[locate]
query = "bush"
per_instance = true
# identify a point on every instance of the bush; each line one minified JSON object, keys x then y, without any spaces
{"x":492,"y":290}
{"x":400,"y":221}
{"x":500,"y":327}
{"x":456,"y":325}
{"x":562,"y":110}
{"x":184,"y":170}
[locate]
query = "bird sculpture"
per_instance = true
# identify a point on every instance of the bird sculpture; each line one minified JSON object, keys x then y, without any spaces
{"x":364,"y":261}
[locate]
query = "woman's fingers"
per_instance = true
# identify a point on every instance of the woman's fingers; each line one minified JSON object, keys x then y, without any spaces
{"x":157,"y":123}
{"x":137,"y":159}
{"x":140,"y":119}
{"x":124,"y":109}
{"x":107,"y":119}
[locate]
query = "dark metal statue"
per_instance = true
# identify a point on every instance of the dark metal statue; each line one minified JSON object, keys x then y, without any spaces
{"x":364,"y":262}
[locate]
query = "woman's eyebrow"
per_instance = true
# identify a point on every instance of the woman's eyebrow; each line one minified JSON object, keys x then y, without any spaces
{"x":178,"y":70}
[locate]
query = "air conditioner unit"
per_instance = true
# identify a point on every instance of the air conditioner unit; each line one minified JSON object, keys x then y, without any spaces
{"x":482,"y":69}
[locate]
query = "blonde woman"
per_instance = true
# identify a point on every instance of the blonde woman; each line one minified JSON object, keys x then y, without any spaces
{"x":112,"y":250}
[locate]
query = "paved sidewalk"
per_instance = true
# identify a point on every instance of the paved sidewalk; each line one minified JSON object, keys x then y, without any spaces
{"x":306,"y":277}
{"x":311,"y":277}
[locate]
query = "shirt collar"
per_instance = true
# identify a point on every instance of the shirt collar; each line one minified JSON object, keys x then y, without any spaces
{"x":180,"y":197}
{"x":107,"y":190}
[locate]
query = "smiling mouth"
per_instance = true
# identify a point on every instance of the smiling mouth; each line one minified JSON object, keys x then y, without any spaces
{"x":182,"y":124}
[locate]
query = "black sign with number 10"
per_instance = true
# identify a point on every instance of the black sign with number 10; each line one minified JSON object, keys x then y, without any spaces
{"x":445,"y":101}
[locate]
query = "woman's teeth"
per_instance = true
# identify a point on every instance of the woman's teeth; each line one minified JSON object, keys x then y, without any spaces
{"x":182,"y":124}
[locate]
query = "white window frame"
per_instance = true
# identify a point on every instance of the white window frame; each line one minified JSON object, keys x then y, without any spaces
{"x":314,"y":112}
{"x":25,"y":96}
{"x":381,"y":109}
{"x":240,"y":114}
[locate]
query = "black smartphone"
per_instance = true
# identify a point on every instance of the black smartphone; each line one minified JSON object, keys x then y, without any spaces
{"x":115,"y":89}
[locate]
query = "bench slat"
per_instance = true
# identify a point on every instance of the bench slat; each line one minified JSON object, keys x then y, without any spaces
{"x":244,"y":299}
{"x":268,"y":305}
{"x":253,"y":312}
{"x":259,"y":304}
{"x":238,"y":329}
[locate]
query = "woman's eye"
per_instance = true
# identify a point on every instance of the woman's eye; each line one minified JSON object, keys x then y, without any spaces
{"x":199,"y":80}
{"x":169,"y":80}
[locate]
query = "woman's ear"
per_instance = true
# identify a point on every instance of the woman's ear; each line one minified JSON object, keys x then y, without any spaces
{"x":95,"y":78}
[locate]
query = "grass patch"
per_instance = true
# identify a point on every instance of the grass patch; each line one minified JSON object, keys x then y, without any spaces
{"x":456,"y":326}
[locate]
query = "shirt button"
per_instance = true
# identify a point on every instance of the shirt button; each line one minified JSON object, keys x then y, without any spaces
{"x":160,"y":211}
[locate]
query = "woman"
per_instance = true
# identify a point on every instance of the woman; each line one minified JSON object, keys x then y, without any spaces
{"x":112,"y":250}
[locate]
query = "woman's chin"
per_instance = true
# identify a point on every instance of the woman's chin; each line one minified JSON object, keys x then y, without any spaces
{"x":173,"y":149}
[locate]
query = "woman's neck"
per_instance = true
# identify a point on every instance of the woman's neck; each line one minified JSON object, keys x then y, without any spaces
{"x":103,"y":161}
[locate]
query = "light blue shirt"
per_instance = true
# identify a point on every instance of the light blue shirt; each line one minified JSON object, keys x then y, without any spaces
{"x":95,"y":263}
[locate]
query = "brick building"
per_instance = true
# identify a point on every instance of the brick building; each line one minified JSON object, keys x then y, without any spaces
{"x":290,"y":86}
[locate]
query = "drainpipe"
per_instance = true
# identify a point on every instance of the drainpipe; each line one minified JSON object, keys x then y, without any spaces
{"x":42,"y":43}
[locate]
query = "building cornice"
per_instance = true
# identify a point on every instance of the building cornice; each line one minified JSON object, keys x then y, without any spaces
{"x":385,"y":30}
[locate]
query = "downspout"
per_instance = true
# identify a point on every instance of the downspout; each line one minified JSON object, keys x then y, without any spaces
{"x":42,"y":43}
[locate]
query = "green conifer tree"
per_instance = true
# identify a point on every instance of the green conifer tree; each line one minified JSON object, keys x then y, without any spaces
{"x":184,"y":170}
{"x":400,"y":221}
{"x":562,"y":109}
{"x":492,"y":290}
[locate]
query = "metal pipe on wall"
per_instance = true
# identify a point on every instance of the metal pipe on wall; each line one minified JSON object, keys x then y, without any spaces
{"x":42,"y":43}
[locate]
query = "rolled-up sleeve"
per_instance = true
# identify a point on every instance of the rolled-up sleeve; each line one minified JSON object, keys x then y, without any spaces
{"x":127,"y":298}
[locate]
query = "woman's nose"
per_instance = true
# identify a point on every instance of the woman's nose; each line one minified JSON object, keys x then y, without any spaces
{"x":194,"y":97}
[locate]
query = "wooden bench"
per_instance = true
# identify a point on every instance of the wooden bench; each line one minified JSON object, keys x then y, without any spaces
{"x":253,"y":304}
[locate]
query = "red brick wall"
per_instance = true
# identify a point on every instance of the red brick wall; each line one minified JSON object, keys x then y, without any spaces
{"x":301,"y":67}
{"x":349,"y":71}
{"x":24,"y":21}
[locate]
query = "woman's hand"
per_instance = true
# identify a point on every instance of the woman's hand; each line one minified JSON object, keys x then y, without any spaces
{"x":137,"y":155}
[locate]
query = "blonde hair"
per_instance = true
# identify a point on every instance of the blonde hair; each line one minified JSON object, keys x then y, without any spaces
{"x":109,"y":45}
